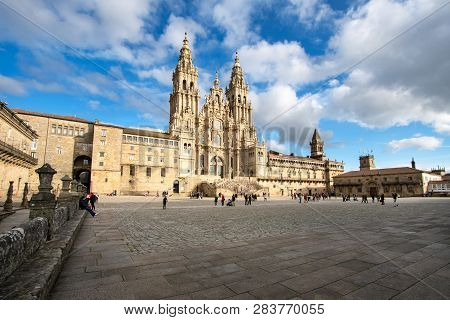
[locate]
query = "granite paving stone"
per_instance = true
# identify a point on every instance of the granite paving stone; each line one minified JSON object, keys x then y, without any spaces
{"x":278,"y":249}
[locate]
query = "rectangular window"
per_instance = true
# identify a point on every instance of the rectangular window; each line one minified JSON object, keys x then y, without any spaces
{"x":77,"y":131}
{"x":103,"y":142}
{"x":54,"y":128}
{"x":58,"y":150}
{"x":161,"y":159}
{"x":163,"y":172}
{"x":175,"y":160}
{"x":81,"y":131}
{"x":149,"y":158}
{"x":132,"y":170}
{"x":70,"y":131}
{"x":171,"y":143}
{"x":34,"y":144}
{"x":33,"y":154}
{"x":100,"y":163}
{"x":135,"y":139}
{"x":66,"y":129}
{"x":102,"y":154}
{"x":131,"y":157}
{"x":121,"y":170}
{"x":103,"y":133}
{"x":124,"y":138}
{"x":59,"y":131}
{"x":149,"y":172}
{"x":146,"y":140}
{"x":141,"y":140}
{"x":85,"y":162}
{"x":129,"y":138}
{"x":149,"y":149}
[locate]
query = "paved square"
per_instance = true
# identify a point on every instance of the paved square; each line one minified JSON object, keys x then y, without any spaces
{"x":278,"y":249}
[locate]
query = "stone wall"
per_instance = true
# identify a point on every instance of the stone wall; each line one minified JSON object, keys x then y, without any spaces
{"x":20,"y":243}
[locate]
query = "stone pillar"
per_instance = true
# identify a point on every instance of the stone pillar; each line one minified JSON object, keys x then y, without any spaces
{"x":8,"y":205}
{"x":66,"y":198}
{"x":73,"y":186}
{"x":43,"y":203}
{"x":24,"y":203}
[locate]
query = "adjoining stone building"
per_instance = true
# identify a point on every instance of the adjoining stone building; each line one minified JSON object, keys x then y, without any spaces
{"x":207,"y":148}
{"x":405,"y":181}
{"x":16,"y":157}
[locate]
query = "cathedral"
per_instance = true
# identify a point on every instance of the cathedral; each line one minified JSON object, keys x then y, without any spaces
{"x":210,"y":148}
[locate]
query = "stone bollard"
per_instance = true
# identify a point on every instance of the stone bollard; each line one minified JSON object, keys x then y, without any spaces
{"x":43,"y":203}
{"x":73,"y":185}
{"x":8,"y":205}
{"x":66,"y":198}
{"x":80,"y":188}
{"x":24,"y":203}
{"x":66,"y":180}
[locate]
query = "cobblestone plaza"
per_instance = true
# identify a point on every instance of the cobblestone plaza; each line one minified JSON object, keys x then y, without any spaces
{"x":278,"y":249}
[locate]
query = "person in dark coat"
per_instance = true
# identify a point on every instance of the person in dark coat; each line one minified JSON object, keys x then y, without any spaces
{"x":165,"y":202}
{"x":216,"y":199}
{"x":382,"y":198}
{"x":93,"y":199}
{"x":85,"y":205}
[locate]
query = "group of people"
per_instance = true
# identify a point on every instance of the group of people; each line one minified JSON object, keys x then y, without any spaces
{"x":365,"y":198}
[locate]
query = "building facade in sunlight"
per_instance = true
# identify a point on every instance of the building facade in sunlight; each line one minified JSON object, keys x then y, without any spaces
{"x":211,"y":148}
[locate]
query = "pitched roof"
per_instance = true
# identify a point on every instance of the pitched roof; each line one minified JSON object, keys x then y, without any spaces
{"x":373,"y":172}
{"x":316,"y":136}
{"x":50,"y":115}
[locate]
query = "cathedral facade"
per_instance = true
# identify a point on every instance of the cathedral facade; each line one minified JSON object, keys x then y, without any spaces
{"x":212,"y":147}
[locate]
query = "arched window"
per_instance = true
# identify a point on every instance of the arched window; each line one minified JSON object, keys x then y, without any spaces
{"x":202,"y":161}
{"x":217,"y":140}
{"x":217,"y":98}
{"x":184,"y":84}
{"x":217,"y":124}
{"x":191,"y":86}
{"x":245,"y":100}
{"x":239,"y":98}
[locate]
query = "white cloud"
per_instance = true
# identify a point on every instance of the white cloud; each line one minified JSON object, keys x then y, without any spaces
{"x":162,"y":75}
{"x":421,"y":143}
{"x":173,"y":34}
{"x":11,"y":86}
{"x":280,"y":62}
{"x":310,"y":12}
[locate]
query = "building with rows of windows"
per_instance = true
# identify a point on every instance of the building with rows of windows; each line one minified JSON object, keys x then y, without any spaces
{"x":209,"y":147}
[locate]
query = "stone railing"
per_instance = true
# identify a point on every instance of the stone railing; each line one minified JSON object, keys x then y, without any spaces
{"x":48,"y":219}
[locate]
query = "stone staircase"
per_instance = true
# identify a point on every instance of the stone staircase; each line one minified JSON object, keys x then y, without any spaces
{"x":228,"y":186}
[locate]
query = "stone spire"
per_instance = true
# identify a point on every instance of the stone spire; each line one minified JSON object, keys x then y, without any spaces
{"x":185,"y":58}
{"x":316,"y":137}
{"x":237,"y":76}
{"x":317,"y":146}
{"x":216,"y":80}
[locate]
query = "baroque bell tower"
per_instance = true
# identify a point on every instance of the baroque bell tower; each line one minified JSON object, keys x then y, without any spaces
{"x":184,"y":104}
{"x":185,"y":96}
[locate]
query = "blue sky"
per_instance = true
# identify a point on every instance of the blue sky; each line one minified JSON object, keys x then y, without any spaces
{"x":112,"y":61}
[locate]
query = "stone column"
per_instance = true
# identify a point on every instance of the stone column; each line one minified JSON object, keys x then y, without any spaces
{"x":65,"y":198}
{"x":8,"y":205}
{"x":24,"y":203}
{"x":73,"y":186}
{"x":43,"y":203}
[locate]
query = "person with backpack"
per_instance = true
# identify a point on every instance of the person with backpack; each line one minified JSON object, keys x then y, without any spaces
{"x":92,"y":200}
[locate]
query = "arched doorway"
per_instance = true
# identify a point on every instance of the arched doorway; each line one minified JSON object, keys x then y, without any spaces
{"x":176,"y":186}
{"x":82,"y":170}
{"x":216,"y":166}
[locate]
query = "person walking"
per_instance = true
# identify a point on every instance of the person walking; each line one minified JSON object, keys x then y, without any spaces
{"x":216,"y":199}
{"x":84,"y":204}
{"x":395,"y":196}
{"x":250,"y":199}
{"x":382,"y":199}
{"x":164,"y":202}
{"x":223,"y":199}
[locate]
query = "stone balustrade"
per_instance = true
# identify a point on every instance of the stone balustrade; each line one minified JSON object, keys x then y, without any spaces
{"x":48,"y":216}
